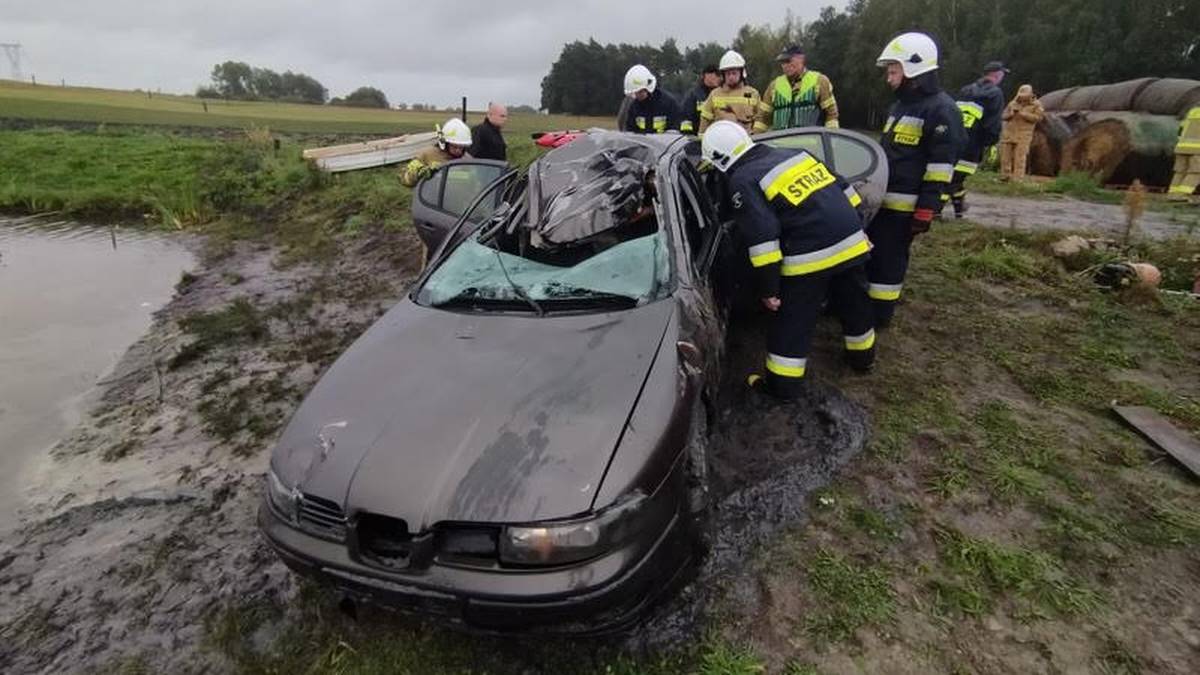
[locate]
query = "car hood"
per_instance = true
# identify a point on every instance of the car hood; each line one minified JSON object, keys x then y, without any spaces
{"x":435,"y":415}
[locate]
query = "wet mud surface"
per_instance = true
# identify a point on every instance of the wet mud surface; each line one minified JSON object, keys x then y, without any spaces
{"x":133,"y":556}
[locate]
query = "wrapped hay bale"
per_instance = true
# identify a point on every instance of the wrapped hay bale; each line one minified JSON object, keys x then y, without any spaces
{"x":1118,"y":147}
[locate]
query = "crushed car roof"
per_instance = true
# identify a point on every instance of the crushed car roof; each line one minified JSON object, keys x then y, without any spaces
{"x":592,"y":184}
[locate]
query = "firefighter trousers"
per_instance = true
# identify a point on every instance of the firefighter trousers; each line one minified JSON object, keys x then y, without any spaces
{"x":791,"y":332}
{"x":891,"y":237}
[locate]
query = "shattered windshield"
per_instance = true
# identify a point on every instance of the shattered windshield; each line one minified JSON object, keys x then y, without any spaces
{"x":636,"y":270}
{"x":584,"y":234}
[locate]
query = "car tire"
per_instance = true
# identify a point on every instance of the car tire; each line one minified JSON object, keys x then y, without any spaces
{"x":699,"y":493}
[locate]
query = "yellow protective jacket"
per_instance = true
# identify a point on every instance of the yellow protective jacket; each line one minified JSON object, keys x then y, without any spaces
{"x":1020,"y":117}
{"x":739,"y":105}
{"x":423,"y":165}
{"x":807,"y":102}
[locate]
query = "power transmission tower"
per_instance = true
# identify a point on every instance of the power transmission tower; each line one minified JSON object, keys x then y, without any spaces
{"x":13,"y":51}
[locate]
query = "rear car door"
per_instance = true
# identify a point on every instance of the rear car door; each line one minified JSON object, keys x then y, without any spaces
{"x":439,"y":200}
{"x":857,"y":158}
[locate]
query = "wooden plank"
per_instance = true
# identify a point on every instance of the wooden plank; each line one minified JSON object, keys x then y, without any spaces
{"x":1165,"y":435}
{"x":364,"y":155}
{"x":368,"y":146}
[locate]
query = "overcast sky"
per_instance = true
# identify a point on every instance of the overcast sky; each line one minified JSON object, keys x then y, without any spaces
{"x":430,"y":52}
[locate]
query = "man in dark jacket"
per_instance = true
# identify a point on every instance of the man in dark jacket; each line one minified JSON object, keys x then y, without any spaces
{"x":651,"y":110}
{"x":921,"y":138}
{"x":489,"y":142}
{"x":800,"y":223}
{"x":709,"y":79}
{"x":982,"y":104}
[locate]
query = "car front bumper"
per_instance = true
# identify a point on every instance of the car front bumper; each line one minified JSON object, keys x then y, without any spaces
{"x":602,"y":595}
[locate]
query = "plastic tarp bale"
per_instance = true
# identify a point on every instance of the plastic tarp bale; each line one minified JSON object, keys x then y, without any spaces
{"x":1083,"y":98}
{"x":1121,"y":95}
{"x":1054,"y":100}
{"x":1150,"y":95}
{"x":1169,"y":96}
{"x":589,"y":186}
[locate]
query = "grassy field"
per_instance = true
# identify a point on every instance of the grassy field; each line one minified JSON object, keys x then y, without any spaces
{"x":84,"y":104}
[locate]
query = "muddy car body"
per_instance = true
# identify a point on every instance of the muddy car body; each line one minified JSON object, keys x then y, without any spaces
{"x":521,"y":442}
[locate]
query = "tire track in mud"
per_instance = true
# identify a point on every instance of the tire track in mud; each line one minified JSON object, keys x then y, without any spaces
{"x":768,"y":457}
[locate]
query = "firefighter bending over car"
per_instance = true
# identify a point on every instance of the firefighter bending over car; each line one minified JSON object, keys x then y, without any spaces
{"x":453,"y":139}
{"x":806,"y":243}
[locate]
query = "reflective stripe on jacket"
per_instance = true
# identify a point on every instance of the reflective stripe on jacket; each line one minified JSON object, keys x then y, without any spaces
{"x":795,"y":215}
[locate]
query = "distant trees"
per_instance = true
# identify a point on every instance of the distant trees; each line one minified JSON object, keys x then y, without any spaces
{"x":1049,"y":45}
{"x":363,"y":97}
{"x":587,"y":77}
{"x":239,"y":81}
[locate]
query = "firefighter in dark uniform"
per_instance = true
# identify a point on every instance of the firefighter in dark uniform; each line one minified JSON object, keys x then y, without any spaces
{"x":981,"y":104}
{"x":922,"y":138}
{"x":692,"y":104}
{"x":651,"y":110}
{"x":806,"y":243}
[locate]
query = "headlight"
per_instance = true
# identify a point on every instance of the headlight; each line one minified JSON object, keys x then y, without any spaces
{"x":562,"y":542}
{"x":283,"y":498}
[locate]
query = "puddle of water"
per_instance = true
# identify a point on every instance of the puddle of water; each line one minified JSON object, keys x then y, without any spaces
{"x":72,"y":299}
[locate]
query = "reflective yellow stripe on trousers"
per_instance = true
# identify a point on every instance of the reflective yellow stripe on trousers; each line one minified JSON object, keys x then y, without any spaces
{"x":847,"y":249}
{"x":966,"y":167}
{"x":786,"y":366}
{"x":861,"y":343}
{"x":888,"y":292}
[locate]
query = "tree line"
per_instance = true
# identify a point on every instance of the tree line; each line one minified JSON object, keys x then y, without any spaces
{"x":239,"y":81}
{"x":1049,"y":45}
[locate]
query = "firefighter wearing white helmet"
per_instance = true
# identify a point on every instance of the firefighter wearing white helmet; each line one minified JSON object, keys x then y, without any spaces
{"x":651,"y":110}
{"x":734,"y":100}
{"x":922,"y":137}
{"x":805,"y":241}
{"x":452,"y":140}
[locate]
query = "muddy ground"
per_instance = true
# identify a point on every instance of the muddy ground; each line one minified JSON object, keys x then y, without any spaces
{"x":143,"y":520}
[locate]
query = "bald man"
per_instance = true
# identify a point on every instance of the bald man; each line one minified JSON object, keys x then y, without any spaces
{"x":488,"y":142}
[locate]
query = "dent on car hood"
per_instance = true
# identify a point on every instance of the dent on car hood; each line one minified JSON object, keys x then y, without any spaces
{"x":441,"y":416}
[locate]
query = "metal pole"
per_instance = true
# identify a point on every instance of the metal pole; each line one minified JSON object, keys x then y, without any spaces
{"x":464,"y":109}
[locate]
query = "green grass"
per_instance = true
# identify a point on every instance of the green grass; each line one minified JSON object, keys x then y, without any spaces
{"x":91,"y":105}
{"x":981,"y":569}
{"x":849,"y":595}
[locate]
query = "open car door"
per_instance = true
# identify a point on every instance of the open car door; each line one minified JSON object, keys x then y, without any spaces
{"x":441,"y":199}
{"x":855,"y":157}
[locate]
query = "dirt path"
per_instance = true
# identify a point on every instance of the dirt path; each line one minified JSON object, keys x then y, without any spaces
{"x":1064,"y":213}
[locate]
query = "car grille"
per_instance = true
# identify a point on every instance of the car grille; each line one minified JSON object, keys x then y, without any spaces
{"x":322,"y":517}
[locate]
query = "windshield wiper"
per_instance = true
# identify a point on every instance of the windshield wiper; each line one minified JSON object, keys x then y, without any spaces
{"x":517,"y":289}
{"x":581,"y":297}
{"x":473,"y":300}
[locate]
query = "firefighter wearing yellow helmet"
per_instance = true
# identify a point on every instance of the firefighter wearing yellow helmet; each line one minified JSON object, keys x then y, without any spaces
{"x":734,"y":100}
{"x":453,"y":139}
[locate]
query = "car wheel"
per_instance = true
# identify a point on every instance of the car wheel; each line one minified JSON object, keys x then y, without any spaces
{"x":699,"y":492}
